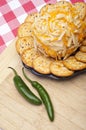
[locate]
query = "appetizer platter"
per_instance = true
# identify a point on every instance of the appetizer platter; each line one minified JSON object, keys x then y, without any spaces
{"x":52,"y":42}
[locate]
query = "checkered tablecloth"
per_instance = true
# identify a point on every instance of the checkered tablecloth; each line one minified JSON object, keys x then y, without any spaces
{"x":13,"y":13}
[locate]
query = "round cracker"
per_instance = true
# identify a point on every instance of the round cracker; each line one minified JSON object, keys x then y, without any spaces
{"x":24,"y":43}
{"x":25,"y":30}
{"x":42,"y":64}
{"x":83,"y":49}
{"x":72,"y":64}
{"x":28,"y":56}
{"x":58,"y":69}
{"x":81,"y":56}
{"x":84,"y":42}
{"x":31,"y":17}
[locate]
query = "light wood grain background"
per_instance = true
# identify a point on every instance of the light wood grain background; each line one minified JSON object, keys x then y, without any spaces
{"x":68,"y":97}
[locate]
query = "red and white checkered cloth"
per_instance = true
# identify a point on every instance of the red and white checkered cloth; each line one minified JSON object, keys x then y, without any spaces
{"x":13,"y":13}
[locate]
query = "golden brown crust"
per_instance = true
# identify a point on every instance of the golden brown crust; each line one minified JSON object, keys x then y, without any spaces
{"x":24,"y":43}
{"x":28,"y":56}
{"x":25,"y":30}
{"x":83,"y":49}
{"x":57,"y":68}
{"x":73,"y":64}
{"x":81,"y":56}
{"x":84,"y":42}
{"x":42,"y":64}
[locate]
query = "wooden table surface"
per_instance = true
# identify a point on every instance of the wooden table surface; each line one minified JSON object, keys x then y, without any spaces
{"x":68,"y":97}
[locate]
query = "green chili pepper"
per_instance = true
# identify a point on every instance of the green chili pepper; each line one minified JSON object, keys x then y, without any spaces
{"x":44,"y":96}
{"x":24,"y":90}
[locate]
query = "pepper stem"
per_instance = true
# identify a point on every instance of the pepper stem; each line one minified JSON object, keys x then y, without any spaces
{"x":13,"y":70}
{"x":26,"y":75}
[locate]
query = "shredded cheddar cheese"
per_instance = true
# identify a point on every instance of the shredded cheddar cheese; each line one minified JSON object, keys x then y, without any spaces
{"x":58,"y":28}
